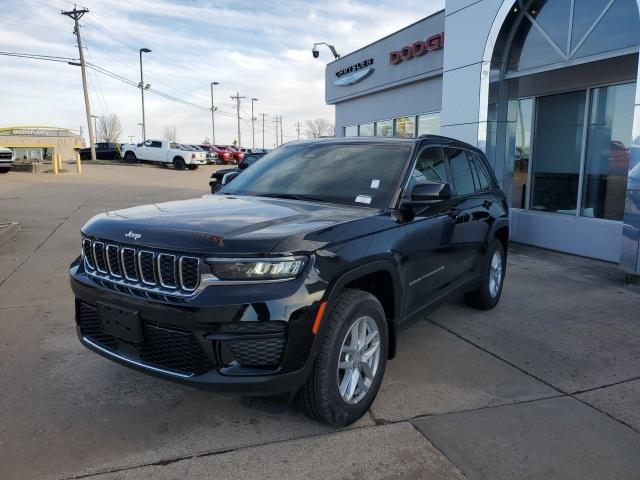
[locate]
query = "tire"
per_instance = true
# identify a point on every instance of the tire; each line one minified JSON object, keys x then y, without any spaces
{"x":487,"y":295}
{"x":178,"y":163}
{"x":216,"y":188}
{"x":321,"y":397}
{"x":192,"y":167}
{"x":5,"y":169}
{"x":130,"y":157}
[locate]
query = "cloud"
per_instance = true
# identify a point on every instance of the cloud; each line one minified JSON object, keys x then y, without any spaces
{"x":259,"y":49}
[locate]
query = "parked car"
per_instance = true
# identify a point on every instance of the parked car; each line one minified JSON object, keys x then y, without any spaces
{"x":258,"y":151}
{"x":237,"y":154}
{"x":7,"y":159}
{"x":296,"y":278}
{"x":163,"y":151}
{"x":221,"y":177}
{"x":225,"y":157}
{"x":104,"y":151}
{"x":212,"y":156}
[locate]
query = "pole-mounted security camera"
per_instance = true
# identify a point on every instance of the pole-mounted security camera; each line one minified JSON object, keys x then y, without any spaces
{"x":316,"y":52}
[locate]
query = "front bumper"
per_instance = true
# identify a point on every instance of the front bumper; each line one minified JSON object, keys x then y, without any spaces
{"x":263,"y":347}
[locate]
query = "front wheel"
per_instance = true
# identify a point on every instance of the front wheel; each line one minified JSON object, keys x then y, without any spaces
{"x":192,"y":167}
{"x":216,"y":187}
{"x":351,"y":362}
{"x":178,"y":163}
{"x":5,"y":169}
{"x":487,"y":295}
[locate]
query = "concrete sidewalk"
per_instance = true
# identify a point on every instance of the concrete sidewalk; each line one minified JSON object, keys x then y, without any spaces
{"x":545,"y":386}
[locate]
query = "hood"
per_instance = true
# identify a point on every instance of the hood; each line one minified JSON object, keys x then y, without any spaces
{"x":227,"y":224}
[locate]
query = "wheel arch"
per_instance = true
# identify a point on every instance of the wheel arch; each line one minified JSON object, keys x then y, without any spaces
{"x":381,"y":279}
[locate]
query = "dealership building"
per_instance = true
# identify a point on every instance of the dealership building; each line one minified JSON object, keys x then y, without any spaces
{"x":548,"y":89}
{"x":35,"y":144}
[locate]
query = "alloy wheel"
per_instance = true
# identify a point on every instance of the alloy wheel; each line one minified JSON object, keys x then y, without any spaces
{"x":495,"y":274}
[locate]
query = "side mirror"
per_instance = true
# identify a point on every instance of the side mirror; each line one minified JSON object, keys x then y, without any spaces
{"x":242,"y":166}
{"x":428,"y":192}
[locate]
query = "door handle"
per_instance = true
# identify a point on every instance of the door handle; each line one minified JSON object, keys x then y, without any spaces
{"x":487,"y":204}
{"x":453,"y":212}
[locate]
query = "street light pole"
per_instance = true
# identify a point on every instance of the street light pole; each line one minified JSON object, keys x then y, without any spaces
{"x":253,"y":125}
{"x":143,"y":87}
{"x":142,"y":131}
{"x":213,"y":122}
{"x":263,"y":115}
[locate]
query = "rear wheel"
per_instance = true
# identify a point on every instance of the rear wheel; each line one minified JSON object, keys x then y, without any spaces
{"x":192,"y":167}
{"x":487,"y":295}
{"x":178,"y":163}
{"x":130,"y":157}
{"x":351,"y":362}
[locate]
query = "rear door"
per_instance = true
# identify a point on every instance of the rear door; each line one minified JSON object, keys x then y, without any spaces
{"x":470,"y":211}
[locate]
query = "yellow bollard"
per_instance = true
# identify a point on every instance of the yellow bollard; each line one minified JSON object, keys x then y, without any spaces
{"x":60,"y":163}
{"x":54,"y":163}
{"x":78,"y":163}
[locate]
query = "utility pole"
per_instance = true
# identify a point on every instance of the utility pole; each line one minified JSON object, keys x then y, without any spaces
{"x":95,"y":125}
{"x":142,"y":132}
{"x":275,"y":121}
{"x":298,"y":125}
{"x":76,"y":15}
{"x":281,"y":129}
{"x":263,"y":115}
{"x":143,"y":87}
{"x":253,"y":125}
{"x":237,"y":98}
{"x":213,"y":122}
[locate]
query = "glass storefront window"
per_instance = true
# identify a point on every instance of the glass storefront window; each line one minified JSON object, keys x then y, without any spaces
{"x":607,"y":158}
{"x":429,"y":124}
{"x":384,"y":128}
{"x":366,"y":129}
{"x":351,"y":131}
{"x":520,"y":116}
{"x":405,"y":127}
{"x":557,"y":153}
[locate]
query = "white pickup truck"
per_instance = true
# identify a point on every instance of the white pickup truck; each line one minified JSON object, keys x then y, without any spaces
{"x":163,"y":151}
{"x":7,"y":159}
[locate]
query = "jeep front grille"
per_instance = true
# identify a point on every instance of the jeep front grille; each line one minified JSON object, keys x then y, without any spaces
{"x":134,"y":269}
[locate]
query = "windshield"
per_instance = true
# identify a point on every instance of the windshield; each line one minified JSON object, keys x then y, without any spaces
{"x":360,"y":175}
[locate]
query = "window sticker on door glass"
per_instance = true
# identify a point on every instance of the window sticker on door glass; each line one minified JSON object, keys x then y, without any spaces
{"x":363,"y":199}
{"x":375,"y":183}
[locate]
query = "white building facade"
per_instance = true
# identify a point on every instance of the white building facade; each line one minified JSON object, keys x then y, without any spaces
{"x":547,"y":88}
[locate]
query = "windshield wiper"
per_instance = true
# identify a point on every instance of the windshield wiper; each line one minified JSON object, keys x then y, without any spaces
{"x":292,"y":196}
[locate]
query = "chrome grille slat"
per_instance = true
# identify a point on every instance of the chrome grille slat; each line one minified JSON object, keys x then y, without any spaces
{"x":141,"y":272}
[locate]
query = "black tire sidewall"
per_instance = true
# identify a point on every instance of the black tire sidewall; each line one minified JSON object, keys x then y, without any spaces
{"x":348,"y":413}
{"x":179,"y":164}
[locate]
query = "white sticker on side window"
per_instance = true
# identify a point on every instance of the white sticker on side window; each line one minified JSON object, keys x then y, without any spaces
{"x":375,"y":183}
{"x":363,"y":199}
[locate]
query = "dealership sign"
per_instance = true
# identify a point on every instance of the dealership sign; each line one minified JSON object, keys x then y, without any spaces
{"x":417,"y":49}
{"x":354,"y":73}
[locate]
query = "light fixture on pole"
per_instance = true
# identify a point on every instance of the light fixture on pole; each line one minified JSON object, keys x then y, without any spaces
{"x":143,"y":87}
{"x":316,"y":52}
{"x":213,"y":122}
{"x":253,"y":125}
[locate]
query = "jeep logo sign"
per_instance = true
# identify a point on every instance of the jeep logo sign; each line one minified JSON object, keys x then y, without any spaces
{"x":417,"y":49}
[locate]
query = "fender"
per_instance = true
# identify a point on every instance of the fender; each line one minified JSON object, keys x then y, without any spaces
{"x":360,"y":271}
{"x":500,"y":222}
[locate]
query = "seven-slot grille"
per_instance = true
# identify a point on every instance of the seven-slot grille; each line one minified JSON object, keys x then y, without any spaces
{"x":142,"y":268}
{"x":6,"y":154}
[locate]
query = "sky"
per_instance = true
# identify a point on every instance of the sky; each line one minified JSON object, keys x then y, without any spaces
{"x":259,"y":49}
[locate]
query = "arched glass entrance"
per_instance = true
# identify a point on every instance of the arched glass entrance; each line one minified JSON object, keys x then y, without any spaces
{"x":560,"y":115}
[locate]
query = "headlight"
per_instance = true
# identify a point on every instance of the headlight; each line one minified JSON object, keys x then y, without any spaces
{"x":282,"y":268}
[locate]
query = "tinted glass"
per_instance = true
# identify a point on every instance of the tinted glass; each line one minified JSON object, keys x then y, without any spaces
{"x":530,"y":49}
{"x":556,"y":156}
{"x":357,"y":175}
{"x":484,"y":182}
{"x":608,"y":147}
{"x":520,"y":116}
{"x":429,"y":165}
{"x":156,"y":144}
{"x":463,"y":180}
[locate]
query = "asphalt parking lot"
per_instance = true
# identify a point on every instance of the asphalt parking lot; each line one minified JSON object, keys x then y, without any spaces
{"x":546,"y":386}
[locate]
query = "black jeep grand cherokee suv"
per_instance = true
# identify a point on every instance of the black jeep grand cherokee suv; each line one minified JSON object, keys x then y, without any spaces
{"x":297,"y":275}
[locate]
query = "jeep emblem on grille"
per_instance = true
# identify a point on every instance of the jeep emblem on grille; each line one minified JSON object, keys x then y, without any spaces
{"x":133,"y":235}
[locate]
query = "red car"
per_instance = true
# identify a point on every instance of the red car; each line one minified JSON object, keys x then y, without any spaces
{"x":237,"y":154}
{"x":224,"y":156}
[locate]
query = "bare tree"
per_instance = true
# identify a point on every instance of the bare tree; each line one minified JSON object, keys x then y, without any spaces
{"x":319,"y":127}
{"x":170,"y":133}
{"x":109,"y":128}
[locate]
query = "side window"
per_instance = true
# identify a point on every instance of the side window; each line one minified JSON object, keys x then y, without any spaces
{"x":430,"y":165}
{"x":156,"y":144}
{"x":463,"y":180}
{"x":483,"y":174}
